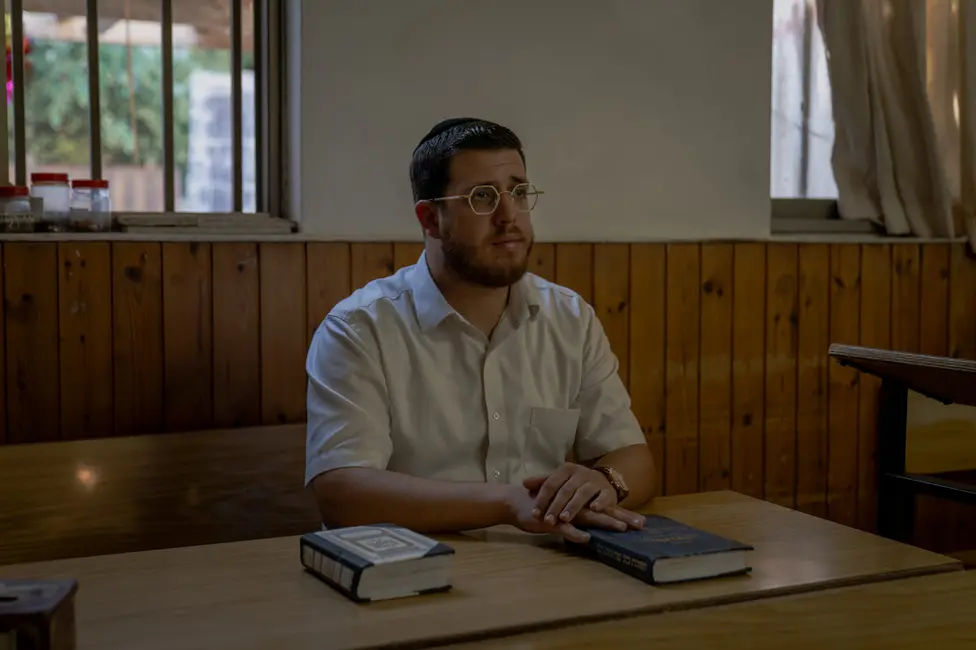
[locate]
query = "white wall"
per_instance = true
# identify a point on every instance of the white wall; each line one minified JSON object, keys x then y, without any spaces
{"x":641,"y":119}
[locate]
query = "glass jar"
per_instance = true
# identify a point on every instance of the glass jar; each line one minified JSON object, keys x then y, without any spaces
{"x":91,"y":206}
{"x":16,"y":214}
{"x":53,"y":191}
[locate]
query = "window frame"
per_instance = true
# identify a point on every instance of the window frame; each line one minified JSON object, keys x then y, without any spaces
{"x":270,"y":105}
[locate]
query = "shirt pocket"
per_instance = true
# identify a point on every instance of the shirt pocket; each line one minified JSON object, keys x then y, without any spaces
{"x":551,"y":435}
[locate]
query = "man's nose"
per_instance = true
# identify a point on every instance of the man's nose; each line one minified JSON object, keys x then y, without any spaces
{"x":505,"y":212}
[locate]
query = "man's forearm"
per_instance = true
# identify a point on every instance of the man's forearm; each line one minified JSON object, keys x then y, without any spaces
{"x":358,"y":495}
{"x":636,"y":464}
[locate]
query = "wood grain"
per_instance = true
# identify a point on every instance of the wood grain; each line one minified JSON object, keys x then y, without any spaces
{"x":574,"y":268}
{"x":135,"y":493}
{"x":715,"y":384}
{"x":611,"y":299}
{"x":327,"y":270}
{"x":187,"y":336}
{"x":236,"y":346}
{"x":137,"y":334}
{"x":283,"y":324}
{"x":542,"y":261}
{"x":895,"y":615}
{"x":406,"y":254}
{"x":85,"y":327}
{"x":781,"y":350}
{"x":370,"y":262}
{"x":749,"y":369}
{"x":648,"y":277}
{"x":813,"y":337}
{"x":875,"y":332}
{"x":201,"y":598}
{"x":33,"y":370}
{"x":683,"y":310}
{"x":905,"y":291}
{"x":3,"y":366}
{"x":845,"y":299}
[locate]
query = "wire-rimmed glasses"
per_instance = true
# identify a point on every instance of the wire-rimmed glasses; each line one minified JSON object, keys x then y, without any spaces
{"x":484,"y":199}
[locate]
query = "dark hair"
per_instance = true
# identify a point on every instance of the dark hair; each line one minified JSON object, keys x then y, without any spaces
{"x":430,"y":167}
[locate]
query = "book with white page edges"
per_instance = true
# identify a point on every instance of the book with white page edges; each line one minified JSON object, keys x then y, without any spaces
{"x":377,"y":562}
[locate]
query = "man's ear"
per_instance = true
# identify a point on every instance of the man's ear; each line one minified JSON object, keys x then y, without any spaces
{"x":429,"y":218}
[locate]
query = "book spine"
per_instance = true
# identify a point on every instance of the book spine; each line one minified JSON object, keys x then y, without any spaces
{"x":638,"y":566}
{"x":331,"y":569}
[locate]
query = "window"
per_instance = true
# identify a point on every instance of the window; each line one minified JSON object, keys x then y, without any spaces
{"x":802,"y":118}
{"x":166,"y":99}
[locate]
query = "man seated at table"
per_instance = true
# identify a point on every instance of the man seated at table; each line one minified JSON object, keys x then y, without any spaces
{"x":448,"y":396}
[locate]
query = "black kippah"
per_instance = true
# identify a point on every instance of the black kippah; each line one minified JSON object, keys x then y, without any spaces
{"x":444,"y":125}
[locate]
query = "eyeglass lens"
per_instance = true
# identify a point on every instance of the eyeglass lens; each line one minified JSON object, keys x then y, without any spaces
{"x":484,"y":198}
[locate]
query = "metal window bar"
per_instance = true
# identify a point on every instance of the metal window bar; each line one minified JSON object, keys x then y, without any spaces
{"x":169,"y":149}
{"x":94,"y":91}
{"x":258,"y":58}
{"x":237,"y":103}
{"x":4,"y":151}
{"x":17,"y":64}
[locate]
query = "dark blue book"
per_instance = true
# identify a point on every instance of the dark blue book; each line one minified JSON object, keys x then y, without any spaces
{"x":666,"y":551}
{"x":377,"y":562}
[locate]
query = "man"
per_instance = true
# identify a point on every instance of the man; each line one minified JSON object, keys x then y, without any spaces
{"x":448,"y":396}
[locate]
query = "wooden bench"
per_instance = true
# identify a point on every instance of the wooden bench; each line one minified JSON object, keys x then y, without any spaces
{"x":114,"y":495}
{"x":926,"y":441}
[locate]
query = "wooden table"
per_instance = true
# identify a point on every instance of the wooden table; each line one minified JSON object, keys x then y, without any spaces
{"x":255,"y":594}
{"x":928,"y":612}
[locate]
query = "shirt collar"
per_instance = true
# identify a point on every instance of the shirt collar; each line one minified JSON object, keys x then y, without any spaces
{"x":432,"y":308}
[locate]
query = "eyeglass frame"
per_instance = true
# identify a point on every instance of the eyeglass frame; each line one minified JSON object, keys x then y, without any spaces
{"x":497,"y":203}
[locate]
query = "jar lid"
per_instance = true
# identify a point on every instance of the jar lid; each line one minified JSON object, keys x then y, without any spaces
{"x":45,"y":177}
{"x":90,"y":183}
{"x":13,"y":190}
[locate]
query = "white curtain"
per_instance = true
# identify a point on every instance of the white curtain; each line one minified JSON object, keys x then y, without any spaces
{"x":903,"y":127}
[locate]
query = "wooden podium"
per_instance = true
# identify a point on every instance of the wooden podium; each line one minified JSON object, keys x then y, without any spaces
{"x":943,"y":379}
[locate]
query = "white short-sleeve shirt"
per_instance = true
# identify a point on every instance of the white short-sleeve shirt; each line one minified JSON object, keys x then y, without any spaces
{"x":398,"y":380}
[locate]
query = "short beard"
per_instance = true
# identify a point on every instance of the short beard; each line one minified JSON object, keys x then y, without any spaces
{"x":461,"y":260}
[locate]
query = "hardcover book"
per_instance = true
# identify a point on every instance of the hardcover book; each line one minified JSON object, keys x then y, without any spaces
{"x":377,"y":562}
{"x":666,"y":551}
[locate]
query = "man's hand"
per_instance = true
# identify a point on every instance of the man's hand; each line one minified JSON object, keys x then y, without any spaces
{"x":574,"y":490}
{"x":521,"y":502}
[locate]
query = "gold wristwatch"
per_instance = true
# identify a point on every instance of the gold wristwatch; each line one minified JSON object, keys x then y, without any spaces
{"x":616,"y":480}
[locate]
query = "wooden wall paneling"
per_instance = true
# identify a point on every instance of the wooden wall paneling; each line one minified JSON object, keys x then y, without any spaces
{"x":3,"y":367}
{"x":370,"y":261}
{"x":648,"y":282}
{"x":905,"y":291}
{"x":406,"y":253}
{"x":187,"y":336}
{"x":611,"y":299}
{"x":327,"y":273}
{"x":962,"y":303}
{"x":715,"y":387}
{"x":962,"y":345}
{"x":85,"y":326}
{"x":31,"y":300}
{"x":574,"y":268}
{"x":748,"y":368}
{"x":283,"y":323}
{"x":683,"y":317}
{"x":236,"y":335}
{"x":137,"y":333}
{"x":813,"y":340}
{"x":782,"y":318}
{"x":876,"y":333}
{"x":542,"y":261}
{"x":932,"y":300}
{"x":845,"y":302}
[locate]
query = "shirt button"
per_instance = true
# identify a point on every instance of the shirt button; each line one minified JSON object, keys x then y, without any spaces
{"x":496,"y":474}
{"x":495,"y":416}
